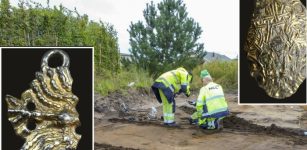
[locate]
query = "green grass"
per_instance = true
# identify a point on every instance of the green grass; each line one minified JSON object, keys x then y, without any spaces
{"x":109,"y":82}
{"x":224,"y":73}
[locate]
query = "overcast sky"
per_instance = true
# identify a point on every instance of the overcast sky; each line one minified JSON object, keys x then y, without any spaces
{"x":219,"y":19}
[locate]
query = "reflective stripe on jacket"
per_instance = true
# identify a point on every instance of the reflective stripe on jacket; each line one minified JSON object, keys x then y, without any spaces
{"x":171,"y":83}
{"x":211,"y":102}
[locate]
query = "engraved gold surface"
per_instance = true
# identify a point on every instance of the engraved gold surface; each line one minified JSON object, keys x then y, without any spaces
{"x":46,"y":115}
{"x":276,"y":46}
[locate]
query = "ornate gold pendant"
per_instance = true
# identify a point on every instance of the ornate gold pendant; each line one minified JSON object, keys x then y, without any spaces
{"x":276,"y":46}
{"x":46,"y":115}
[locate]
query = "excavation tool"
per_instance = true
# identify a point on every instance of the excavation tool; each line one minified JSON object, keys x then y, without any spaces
{"x":193,"y":103}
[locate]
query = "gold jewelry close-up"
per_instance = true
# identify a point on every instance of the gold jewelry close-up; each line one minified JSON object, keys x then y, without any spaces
{"x":46,"y":115}
{"x":276,"y":46}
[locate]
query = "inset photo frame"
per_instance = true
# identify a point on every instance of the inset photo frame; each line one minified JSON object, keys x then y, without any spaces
{"x":272,"y":53}
{"x":47,"y":94}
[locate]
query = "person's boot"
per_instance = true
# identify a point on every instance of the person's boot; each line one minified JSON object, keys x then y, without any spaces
{"x":210,"y":130}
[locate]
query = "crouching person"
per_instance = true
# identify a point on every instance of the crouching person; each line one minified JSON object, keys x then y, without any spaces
{"x":211,"y":105}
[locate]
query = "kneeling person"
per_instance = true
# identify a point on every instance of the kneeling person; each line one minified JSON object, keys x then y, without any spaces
{"x":211,"y":105}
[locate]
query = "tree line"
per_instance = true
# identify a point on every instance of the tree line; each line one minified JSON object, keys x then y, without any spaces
{"x":32,"y":24}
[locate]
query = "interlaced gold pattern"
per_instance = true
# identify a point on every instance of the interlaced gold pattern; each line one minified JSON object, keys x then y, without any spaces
{"x":276,"y":46}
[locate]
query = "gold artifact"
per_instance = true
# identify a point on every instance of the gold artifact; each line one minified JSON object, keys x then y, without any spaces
{"x":46,"y":116}
{"x":276,"y":46}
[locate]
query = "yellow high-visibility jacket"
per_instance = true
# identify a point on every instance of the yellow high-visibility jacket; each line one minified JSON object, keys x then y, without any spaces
{"x":211,"y":102}
{"x":171,"y":83}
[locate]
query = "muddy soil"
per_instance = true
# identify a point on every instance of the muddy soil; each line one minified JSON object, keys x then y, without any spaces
{"x":99,"y":146}
{"x":131,"y":128}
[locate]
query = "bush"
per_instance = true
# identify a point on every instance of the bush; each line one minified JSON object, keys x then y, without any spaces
{"x":109,"y":82}
{"x":224,"y":73}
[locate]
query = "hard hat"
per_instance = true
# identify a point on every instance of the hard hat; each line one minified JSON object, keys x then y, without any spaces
{"x":204,"y":74}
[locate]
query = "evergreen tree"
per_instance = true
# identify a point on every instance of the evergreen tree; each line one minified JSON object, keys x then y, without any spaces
{"x":167,"y":39}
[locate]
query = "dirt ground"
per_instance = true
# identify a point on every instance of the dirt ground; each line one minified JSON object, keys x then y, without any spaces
{"x":122,"y":122}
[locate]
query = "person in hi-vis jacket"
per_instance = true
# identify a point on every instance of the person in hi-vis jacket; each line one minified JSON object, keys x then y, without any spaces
{"x":167,"y":86}
{"x":211,"y":106}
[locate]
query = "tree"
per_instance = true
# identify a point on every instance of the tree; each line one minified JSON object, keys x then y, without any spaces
{"x":31,"y":24}
{"x":167,"y":39}
{"x":6,"y":23}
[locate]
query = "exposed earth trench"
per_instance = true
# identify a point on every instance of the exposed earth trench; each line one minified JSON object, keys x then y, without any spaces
{"x":122,"y":121}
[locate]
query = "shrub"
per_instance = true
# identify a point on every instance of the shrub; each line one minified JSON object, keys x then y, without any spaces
{"x":110,"y":82}
{"x":224,"y":73}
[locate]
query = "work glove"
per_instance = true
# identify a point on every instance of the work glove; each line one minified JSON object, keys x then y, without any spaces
{"x":193,"y":103}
